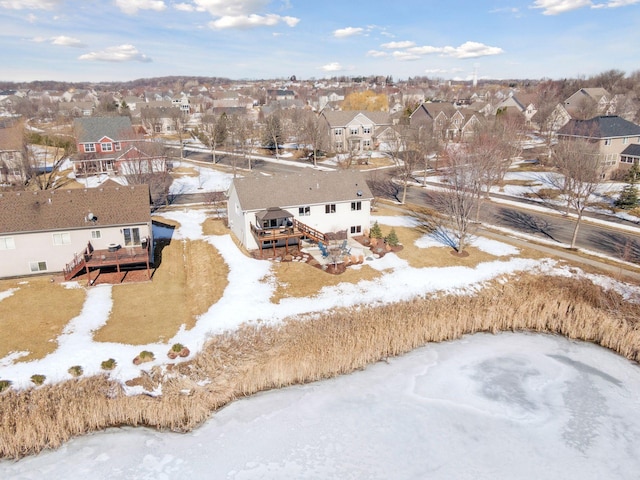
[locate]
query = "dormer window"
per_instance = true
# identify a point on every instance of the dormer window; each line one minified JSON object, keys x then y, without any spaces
{"x":89,"y":147}
{"x":106,"y":147}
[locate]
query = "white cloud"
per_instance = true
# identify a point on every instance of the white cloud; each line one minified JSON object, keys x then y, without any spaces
{"x":332,"y":67}
{"x":466,"y":50}
{"x":121,"y":53}
{"x":554,"y":7}
{"x":184,"y":7}
{"x":347,"y":32}
{"x":471,"y":50}
{"x":251,"y":21}
{"x":405,"y":56}
{"x":394,"y":45}
{"x":67,"y":41}
{"x":131,"y":7}
{"x":616,"y":3}
{"x":231,"y":8}
{"x":60,"y":40}
{"x":30,"y":4}
{"x":377,"y":53}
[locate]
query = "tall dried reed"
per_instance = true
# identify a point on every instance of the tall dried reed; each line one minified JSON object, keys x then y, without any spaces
{"x":302,"y":350}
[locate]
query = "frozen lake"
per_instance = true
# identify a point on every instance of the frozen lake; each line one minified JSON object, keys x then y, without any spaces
{"x":508,"y":406}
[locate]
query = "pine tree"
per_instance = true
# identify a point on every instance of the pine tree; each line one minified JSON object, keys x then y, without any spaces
{"x":376,"y":232}
{"x":392,"y":238}
{"x":628,"y":197}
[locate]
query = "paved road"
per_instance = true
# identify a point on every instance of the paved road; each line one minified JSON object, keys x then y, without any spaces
{"x":554,"y":228}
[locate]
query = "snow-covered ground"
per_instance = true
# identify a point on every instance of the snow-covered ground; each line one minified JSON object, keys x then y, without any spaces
{"x":507,"y":406}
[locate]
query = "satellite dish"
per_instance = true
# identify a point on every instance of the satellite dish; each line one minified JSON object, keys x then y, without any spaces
{"x":359,"y":193}
{"x":91,"y":217}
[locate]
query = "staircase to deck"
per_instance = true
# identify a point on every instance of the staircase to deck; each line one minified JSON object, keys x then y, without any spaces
{"x":79,"y":261}
{"x":309,"y":232}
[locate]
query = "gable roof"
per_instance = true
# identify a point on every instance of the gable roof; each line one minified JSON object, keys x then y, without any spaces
{"x":604,"y":126}
{"x":344,"y":117}
{"x":307,"y":187}
{"x":49,"y":210}
{"x":92,"y":129}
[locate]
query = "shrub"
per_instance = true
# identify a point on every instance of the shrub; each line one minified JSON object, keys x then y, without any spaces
{"x":544,"y":194}
{"x":177,"y":347}
{"x":4,"y":384}
{"x":392,"y":238}
{"x":38,"y":379}
{"x":76,"y":370}
{"x":375,"y":232}
{"x":143,"y":357}
{"x":109,"y":364}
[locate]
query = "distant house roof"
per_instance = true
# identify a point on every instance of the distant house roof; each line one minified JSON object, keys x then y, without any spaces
{"x":92,"y":129}
{"x":342,"y":118}
{"x":308,"y":187}
{"x":604,"y":126}
{"x":632,"y":150}
{"x":48,"y":210}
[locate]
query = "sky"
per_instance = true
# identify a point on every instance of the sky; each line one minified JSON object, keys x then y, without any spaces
{"x":110,"y":40}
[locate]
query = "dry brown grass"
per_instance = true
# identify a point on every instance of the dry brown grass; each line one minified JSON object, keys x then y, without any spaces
{"x":215,"y":226}
{"x":258,"y":358}
{"x":48,"y":306}
{"x":192,"y":276}
{"x":185,"y":171}
{"x":298,"y":280}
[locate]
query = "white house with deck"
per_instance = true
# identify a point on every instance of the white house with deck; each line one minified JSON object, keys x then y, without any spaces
{"x":73,"y":231}
{"x":273,"y":211}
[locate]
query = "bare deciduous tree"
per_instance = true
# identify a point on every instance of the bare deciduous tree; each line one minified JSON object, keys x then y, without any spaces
{"x":580,"y":171}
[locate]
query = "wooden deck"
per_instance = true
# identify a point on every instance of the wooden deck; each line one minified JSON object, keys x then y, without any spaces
{"x":284,"y":234}
{"x":92,"y":259}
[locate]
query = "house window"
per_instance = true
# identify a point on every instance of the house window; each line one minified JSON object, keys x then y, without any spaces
{"x":338,"y":131}
{"x":131,"y":236}
{"x":106,"y":147}
{"x":607,"y":141}
{"x":95,"y":234}
{"x":366,"y":130}
{"x":356,"y":206}
{"x":625,"y":140}
{"x":38,"y":266}
{"x":89,"y":147}
{"x":117,"y":146}
{"x":273,"y":223}
{"x":330,"y":208}
{"x":339,"y":145}
{"x":366,"y":143}
{"x":7,"y":243}
{"x":304,"y":211}
{"x":354,"y":130}
{"x":63,"y":238}
{"x":356,"y":229}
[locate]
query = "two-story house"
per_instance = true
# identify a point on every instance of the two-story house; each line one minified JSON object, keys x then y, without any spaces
{"x":72,"y":231}
{"x":269,"y":211}
{"x":354,"y":131}
{"x":614,"y":135}
{"x":110,"y":145}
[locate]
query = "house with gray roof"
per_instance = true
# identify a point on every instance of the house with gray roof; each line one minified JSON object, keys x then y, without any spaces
{"x":613,"y":135}
{"x":270,"y":211}
{"x":353,"y":130}
{"x":76,"y":230}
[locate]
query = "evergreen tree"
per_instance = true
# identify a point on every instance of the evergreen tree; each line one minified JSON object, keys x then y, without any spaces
{"x":628,"y":197}
{"x":375,"y":232}
{"x":392,"y":238}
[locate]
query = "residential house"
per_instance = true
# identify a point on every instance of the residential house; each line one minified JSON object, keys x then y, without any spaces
{"x":520,"y":106}
{"x":12,"y":166}
{"x":265,"y":212}
{"x":596,"y":100}
{"x":353,"y":131}
{"x":51,"y":231}
{"x":445,"y":120}
{"x":613,"y":135}
{"x":160,"y":119}
{"x":110,"y":145}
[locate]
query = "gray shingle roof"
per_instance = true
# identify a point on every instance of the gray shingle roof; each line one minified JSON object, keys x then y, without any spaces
{"x":308,"y":187}
{"x":342,"y":118}
{"x":632,"y":150}
{"x":92,"y":129}
{"x":604,"y":126}
{"x":47,"y":210}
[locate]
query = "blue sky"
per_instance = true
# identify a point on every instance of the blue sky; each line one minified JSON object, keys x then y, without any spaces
{"x":105,"y":40}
